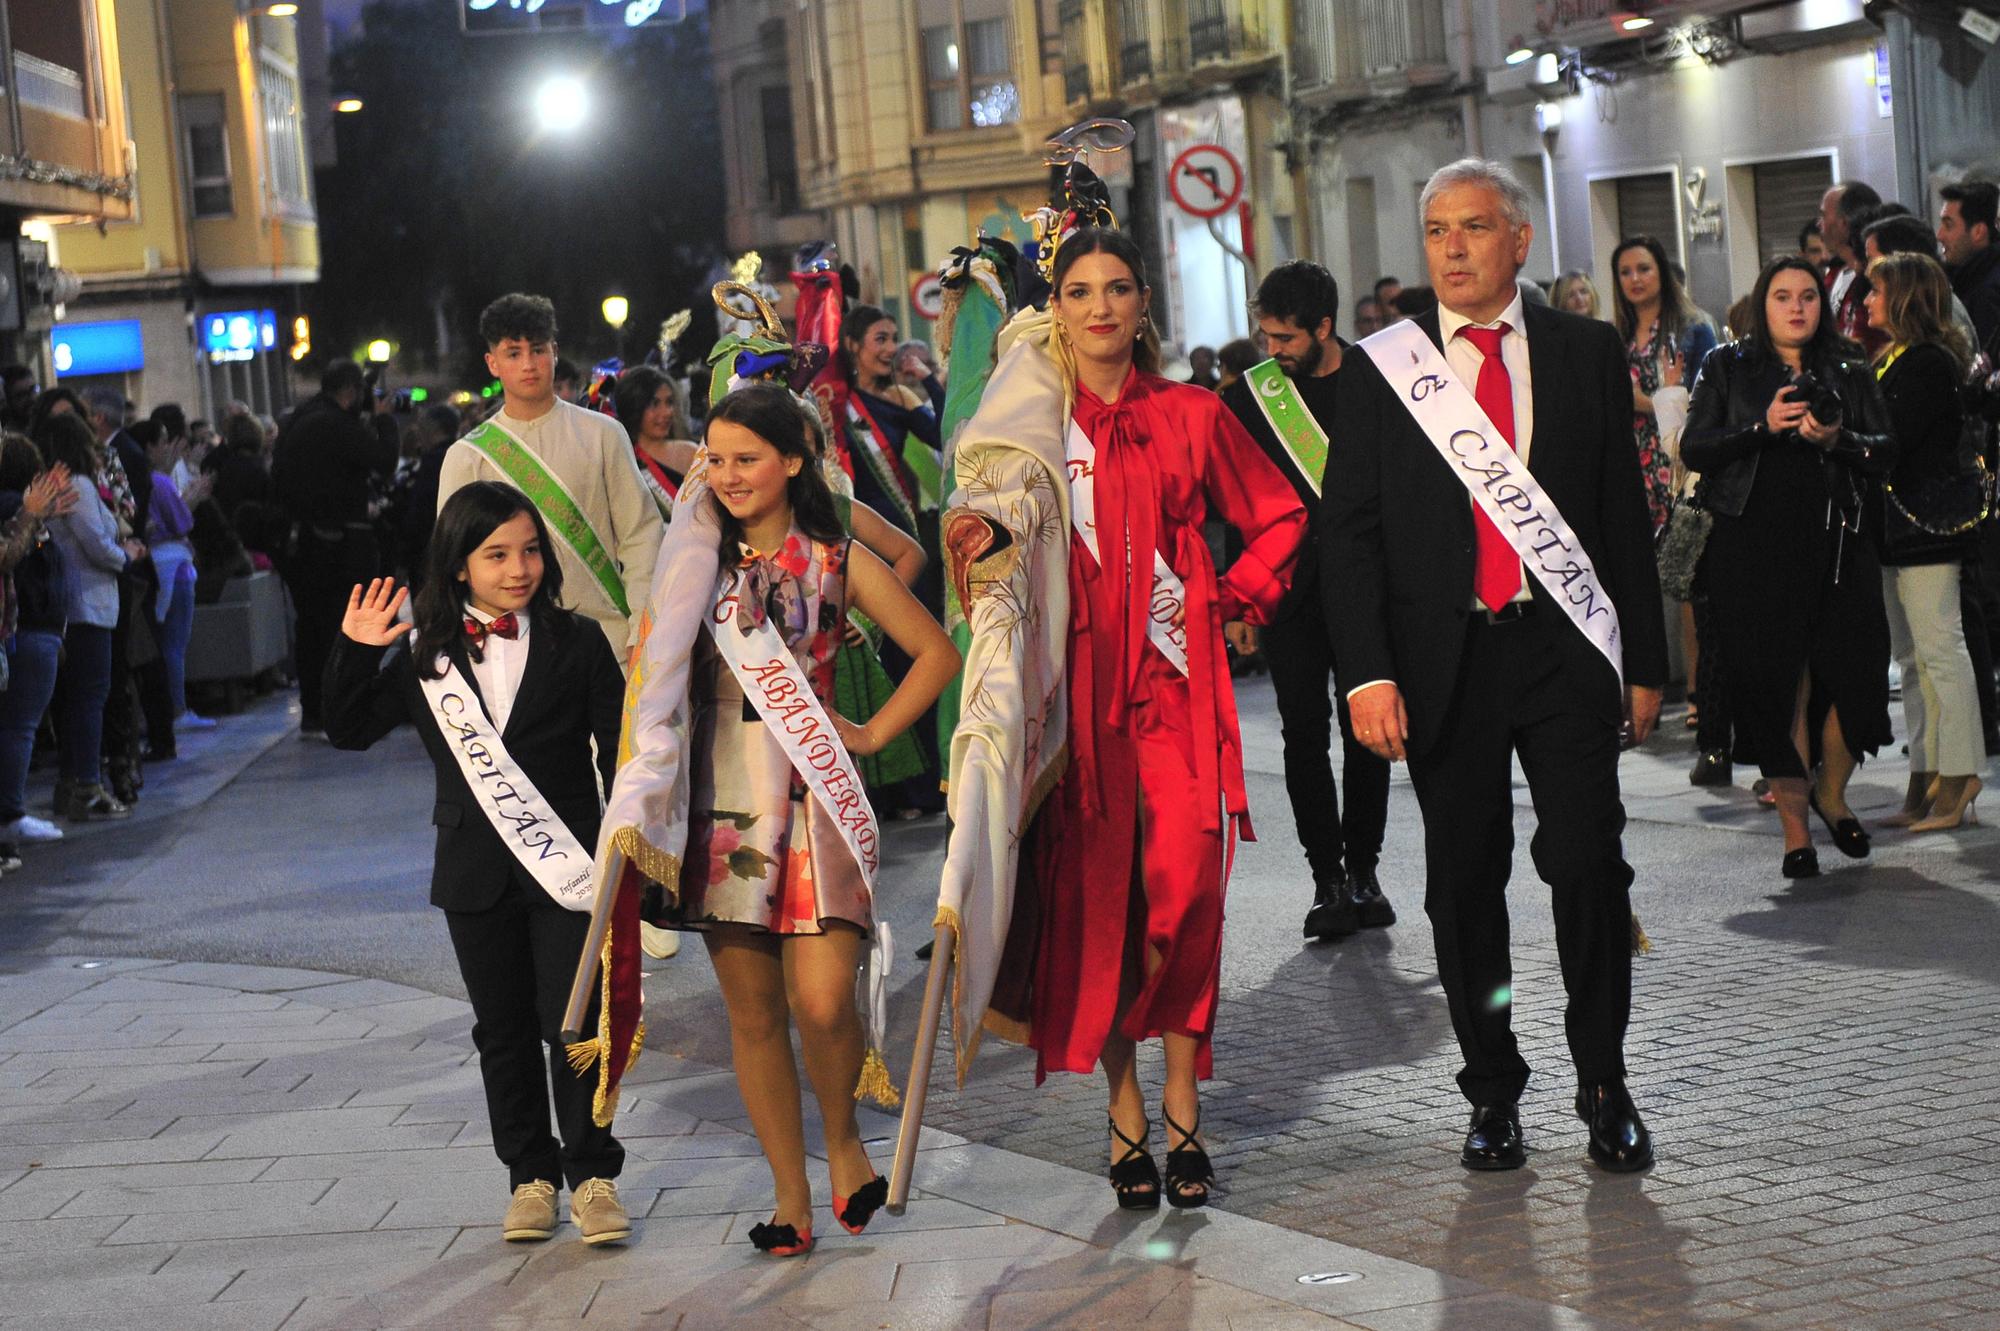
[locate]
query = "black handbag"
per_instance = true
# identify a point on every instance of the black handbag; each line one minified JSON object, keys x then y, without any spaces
{"x":1678,"y":548}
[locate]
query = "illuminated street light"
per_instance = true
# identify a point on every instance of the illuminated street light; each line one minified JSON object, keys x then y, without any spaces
{"x":280,"y":10}
{"x":616,"y":308}
{"x":561,"y":104}
{"x":1636,"y":24}
{"x":347,"y":106}
{"x":1520,"y":55}
{"x":379,"y":351}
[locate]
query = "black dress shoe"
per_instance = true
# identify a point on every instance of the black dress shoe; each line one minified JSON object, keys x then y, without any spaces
{"x":1370,"y":906}
{"x":1333,"y":914}
{"x":1848,"y":834}
{"x":1801,"y":863}
{"x":1493,"y":1140}
{"x":1619,"y":1141}
{"x":1712,"y":769}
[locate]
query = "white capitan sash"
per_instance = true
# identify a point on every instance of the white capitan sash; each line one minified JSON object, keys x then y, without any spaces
{"x":1493,"y":474}
{"x":1166,"y":620}
{"x":539,"y":839}
{"x":783,"y":697}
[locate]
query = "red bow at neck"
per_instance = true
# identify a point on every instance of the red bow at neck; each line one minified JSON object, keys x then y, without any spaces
{"x":506,"y":626}
{"x":1128,"y":517}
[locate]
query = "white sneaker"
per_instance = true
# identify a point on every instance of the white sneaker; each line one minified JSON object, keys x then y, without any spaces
{"x":658,"y":943}
{"x":30,"y":828}
{"x":189,"y":721}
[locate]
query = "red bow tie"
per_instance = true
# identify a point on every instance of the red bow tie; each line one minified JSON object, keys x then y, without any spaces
{"x":504,"y":627}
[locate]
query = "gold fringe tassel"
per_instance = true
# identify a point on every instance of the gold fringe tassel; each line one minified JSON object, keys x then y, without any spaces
{"x":582,"y":1054}
{"x":875,"y":1084}
{"x":1641,"y":944}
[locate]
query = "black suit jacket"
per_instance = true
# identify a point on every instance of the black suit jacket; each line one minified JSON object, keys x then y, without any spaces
{"x":1303,"y":596}
{"x":1396,"y":531}
{"x":572,"y":691}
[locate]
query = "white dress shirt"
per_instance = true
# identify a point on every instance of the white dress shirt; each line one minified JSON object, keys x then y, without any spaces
{"x":499,"y":673}
{"x":1465,"y":360}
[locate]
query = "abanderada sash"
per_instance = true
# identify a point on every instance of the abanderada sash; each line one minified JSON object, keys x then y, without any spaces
{"x":783,"y":697}
{"x":539,"y":839}
{"x":1166,"y":619}
{"x":1285,"y":412}
{"x":565,"y":517}
{"x":1493,"y":474}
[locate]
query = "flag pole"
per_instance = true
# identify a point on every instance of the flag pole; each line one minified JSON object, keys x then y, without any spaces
{"x":593,"y":948}
{"x":920,"y":1070}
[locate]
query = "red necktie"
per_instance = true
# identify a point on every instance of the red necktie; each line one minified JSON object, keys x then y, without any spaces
{"x":1496,"y":575}
{"x":504,"y":627}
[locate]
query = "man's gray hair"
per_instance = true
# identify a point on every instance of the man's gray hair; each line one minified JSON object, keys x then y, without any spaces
{"x":106,"y":401}
{"x":1514,"y":200}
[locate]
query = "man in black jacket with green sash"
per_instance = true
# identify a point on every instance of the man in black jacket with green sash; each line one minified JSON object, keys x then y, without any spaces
{"x":1283,"y":403}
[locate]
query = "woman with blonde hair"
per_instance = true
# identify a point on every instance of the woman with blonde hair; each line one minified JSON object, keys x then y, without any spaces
{"x":1931,"y":502}
{"x":1576,"y":293}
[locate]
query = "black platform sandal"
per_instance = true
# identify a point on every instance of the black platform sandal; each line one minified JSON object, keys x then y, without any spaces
{"x":1188,"y":1166}
{"x":1134,"y":1176}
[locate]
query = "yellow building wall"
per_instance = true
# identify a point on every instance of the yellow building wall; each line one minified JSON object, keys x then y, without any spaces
{"x":155,"y":239}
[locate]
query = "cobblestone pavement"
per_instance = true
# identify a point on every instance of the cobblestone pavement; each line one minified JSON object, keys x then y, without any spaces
{"x":245,"y":1148}
{"x":1818,"y":1064}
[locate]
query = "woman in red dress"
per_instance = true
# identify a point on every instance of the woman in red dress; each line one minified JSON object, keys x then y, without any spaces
{"x":1131,"y":849}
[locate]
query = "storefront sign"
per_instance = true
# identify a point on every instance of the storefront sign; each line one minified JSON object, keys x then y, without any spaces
{"x":502,"y":16}
{"x":113,"y":346}
{"x":238,"y":335}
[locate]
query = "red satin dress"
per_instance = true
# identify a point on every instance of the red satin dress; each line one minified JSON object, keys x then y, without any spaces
{"x":1129,"y":849}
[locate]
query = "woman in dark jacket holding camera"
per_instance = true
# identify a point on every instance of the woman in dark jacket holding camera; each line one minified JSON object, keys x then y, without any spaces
{"x":1929,"y":505}
{"x":1786,"y":425}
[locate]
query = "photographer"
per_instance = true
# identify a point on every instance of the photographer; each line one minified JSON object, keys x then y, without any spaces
{"x":1930,"y":503}
{"x":321,"y":471}
{"x":1785,"y":426}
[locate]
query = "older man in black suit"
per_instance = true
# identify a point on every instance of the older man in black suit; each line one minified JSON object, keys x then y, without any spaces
{"x":1457,"y":656}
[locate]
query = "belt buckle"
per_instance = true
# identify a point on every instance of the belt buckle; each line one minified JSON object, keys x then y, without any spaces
{"x":1512,"y":612}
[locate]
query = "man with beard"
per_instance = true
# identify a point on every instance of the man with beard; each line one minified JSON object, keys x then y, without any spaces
{"x":1283,"y":403}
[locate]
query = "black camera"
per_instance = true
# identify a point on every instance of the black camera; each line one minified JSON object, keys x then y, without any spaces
{"x":1819,"y":397}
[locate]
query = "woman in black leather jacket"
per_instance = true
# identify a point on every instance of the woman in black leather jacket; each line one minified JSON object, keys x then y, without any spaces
{"x":1928,"y":507}
{"x":1786,"y":425}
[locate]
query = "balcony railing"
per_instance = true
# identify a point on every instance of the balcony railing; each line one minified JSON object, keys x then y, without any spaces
{"x":49,"y":87}
{"x":1075,"y":51}
{"x":1212,"y":31}
{"x":1135,"y":38}
{"x":1348,"y":43}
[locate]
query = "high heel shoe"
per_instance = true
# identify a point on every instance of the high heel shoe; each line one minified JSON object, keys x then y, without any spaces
{"x":1134,"y":1176}
{"x":1953,"y":807}
{"x":1188,"y":1166}
{"x":1917,"y":800}
{"x":781,"y":1240}
{"x":1801,"y":863}
{"x":855,"y":1212}
{"x":1848,"y":835}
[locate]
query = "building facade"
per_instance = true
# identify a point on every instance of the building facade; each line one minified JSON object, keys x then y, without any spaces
{"x":64,"y":152}
{"x":1713,"y":124}
{"x":205,"y":274}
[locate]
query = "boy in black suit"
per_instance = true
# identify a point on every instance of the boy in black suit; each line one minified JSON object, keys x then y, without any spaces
{"x":508,"y":691}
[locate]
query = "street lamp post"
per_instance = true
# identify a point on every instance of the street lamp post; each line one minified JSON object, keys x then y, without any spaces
{"x":616,"y":310}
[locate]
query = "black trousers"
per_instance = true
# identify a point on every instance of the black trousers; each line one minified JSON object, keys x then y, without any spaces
{"x":319,"y":575}
{"x":1536,"y":688}
{"x":1300,"y":656}
{"x":518,"y":959}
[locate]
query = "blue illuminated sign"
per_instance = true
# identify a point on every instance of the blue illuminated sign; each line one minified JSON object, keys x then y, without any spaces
{"x":492,"y":16}
{"x":111,"y":347}
{"x":238,"y":334}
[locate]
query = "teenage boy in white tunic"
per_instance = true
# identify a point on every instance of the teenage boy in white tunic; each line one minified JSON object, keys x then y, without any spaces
{"x":575,"y":464}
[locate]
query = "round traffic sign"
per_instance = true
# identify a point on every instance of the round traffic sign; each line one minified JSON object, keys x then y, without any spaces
{"x":927,"y":296}
{"x":1206,"y":180}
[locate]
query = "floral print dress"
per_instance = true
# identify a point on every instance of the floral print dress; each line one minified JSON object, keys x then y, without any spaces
{"x":1655,"y":465}
{"x":761,"y":850}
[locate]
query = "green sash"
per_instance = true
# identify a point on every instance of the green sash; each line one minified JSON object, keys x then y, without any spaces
{"x":558,"y":506}
{"x":1278,"y":398}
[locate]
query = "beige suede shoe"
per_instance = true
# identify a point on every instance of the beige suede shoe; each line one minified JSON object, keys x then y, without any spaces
{"x":531,"y":1216}
{"x":595,"y":1209}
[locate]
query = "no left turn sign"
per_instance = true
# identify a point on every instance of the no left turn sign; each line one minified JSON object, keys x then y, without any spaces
{"x":1206,"y":180}
{"x":927,"y":296}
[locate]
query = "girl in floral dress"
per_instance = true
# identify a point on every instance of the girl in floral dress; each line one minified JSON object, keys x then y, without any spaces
{"x":768,"y":875}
